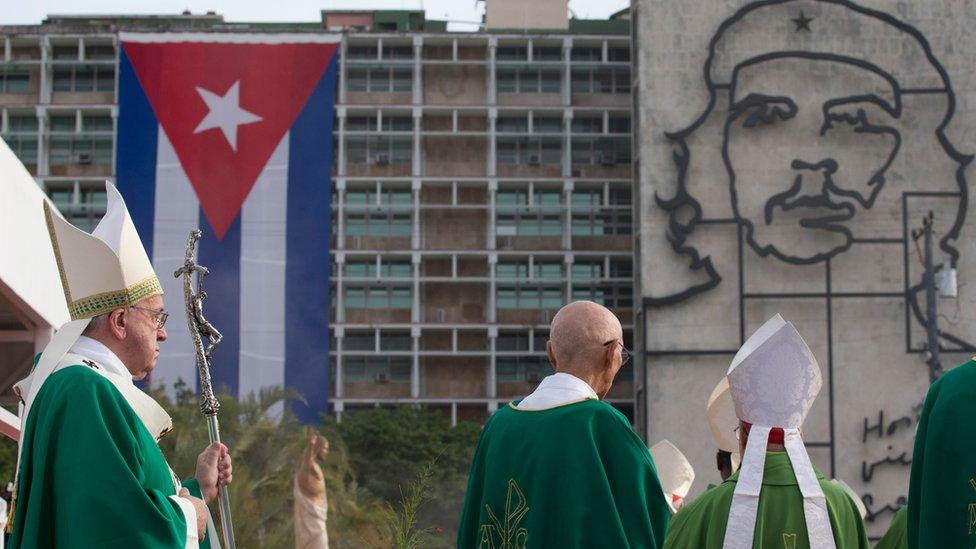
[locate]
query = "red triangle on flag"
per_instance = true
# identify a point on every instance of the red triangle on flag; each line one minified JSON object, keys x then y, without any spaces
{"x":225,"y":108}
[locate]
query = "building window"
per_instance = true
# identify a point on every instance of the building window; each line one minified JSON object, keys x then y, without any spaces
{"x":547,"y":53}
{"x":389,"y":124}
{"x":618,"y":54}
{"x":395,"y":341}
{"x":100,"y":53}
{"x":527,"y":80}
{"x":529,"y":369}
{"x":610,"y":295}
{"x":359,"y":341}
{"x":383,"y":213}
{"x":515,"y":290}
{"x":378,"y":297}
{"x":22,"y":137}
{"x":80,"y":150}
{"x":512,"y":341}
{"x":512,"y":53}
{"x":587,"y":125}
{"x":397,"y":52}
{"x":601,"y":151}
{"x":84,"y":78}
{"x":362,"y":52}
{"x":598,"y":79}
{"x":379,"y":150}
{"x":380,"y":79}
{"x":590,"y":217}
{"x":586,"y":53}
{"x":529,"y":151}
{"x":514,"y":215}
{"x":14,"y":80}
{"x":376,"y":368}
{"x":387,"y":269}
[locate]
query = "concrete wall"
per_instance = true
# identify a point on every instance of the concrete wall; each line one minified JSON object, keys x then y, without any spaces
{"x":518,"y":14}
{"x":848,"y":298}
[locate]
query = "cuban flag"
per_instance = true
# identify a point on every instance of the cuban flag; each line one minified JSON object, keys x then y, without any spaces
{"x":232,"y":133}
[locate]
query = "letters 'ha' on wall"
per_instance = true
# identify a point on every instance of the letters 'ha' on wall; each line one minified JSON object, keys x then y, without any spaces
{"x":786,"y":151}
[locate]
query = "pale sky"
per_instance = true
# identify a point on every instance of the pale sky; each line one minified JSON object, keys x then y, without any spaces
{"x":33,"y":11}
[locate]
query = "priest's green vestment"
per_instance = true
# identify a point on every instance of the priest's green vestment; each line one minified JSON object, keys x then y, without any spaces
{"x":91,"y":474}
{"x":897,"y":535}
{"x":780,"y":523}
{"x":942,"y":489}
{"x":574,"y":475}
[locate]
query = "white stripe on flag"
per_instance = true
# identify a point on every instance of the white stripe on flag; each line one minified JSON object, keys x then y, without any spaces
{"x":263,"y":250}
{"x":177,"y":213}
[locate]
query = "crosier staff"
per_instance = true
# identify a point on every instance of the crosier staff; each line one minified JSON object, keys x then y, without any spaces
{"x":200,"y":328}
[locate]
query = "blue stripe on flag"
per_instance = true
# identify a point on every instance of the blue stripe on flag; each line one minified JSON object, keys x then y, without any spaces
{"x":136,"y":146}
{"x":223,"y":305}
{"x":307,"y":294}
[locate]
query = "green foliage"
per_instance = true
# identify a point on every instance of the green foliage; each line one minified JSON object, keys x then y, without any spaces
{"x":266,"y":445}
{"x":386,"y":447}
{"x":403,"y":520}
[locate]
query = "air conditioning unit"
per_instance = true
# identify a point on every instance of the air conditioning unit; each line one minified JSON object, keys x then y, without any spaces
{"x":505,"y":242}
{"x":83,"y":158}
{"x":382,"y":377}
{"x":440,"y":315}
{"x":607,"y":159}
{"x":576,"y":172}
{"x":533,"y":377}
{"x":382,"y":160}
{"x":534,"y":160}
{"x":545,"y":317}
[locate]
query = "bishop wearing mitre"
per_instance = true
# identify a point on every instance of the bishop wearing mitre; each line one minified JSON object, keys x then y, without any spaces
{"x":777,"y":498}
{"x":90,"y":472}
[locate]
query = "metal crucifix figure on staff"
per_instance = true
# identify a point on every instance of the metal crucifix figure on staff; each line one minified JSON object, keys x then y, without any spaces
{"x":199,"y":328}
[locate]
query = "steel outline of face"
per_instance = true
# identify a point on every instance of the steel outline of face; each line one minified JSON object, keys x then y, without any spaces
{"x":685,"y":212}
{"x":841,"y":196}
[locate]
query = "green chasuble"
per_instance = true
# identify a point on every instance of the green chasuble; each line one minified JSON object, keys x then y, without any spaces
{"x":897,"y":535}
{"x":780,"y":523}
{"x":91,"y":474}
{"x":942,"y":489}
{"x":571,"y":476}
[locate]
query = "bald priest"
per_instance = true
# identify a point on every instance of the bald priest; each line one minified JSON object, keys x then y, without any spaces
{"x":561,"y":467}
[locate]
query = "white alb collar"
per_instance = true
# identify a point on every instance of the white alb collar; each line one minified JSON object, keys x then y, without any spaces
{"x":98,"y":352}
{"x":555,"y":390}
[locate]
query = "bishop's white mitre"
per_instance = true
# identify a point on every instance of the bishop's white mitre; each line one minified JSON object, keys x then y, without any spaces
{"x":722,"y":421}
{"x":675,"y":472}
{"x":774,"y":380}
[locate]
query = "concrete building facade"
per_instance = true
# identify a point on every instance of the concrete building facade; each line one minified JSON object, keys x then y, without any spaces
{"x":481,"y":180}
{"x":786,"y":151}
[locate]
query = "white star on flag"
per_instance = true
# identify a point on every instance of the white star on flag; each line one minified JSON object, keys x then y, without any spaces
{"x":225,"y":113}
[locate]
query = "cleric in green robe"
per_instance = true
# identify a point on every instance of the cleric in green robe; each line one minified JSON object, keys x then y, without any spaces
{"x":897,"y":535}
{"x":777,"y":499}
{"x":90,"y":472}
{"x":942,"y":489}
{"x":562,"y":468}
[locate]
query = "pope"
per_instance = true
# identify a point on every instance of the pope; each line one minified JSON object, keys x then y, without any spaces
{"x":90,"y":471}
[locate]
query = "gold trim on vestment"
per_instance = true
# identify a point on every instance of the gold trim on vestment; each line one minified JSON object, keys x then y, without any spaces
{"x":99,"y":304}
{"x":57,"y":254}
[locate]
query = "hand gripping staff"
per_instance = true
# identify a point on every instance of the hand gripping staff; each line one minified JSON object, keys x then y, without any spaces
{"x":200,"y":328}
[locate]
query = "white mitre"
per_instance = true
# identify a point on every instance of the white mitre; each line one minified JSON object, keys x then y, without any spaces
{"x":722,"y":421}
{"x":675,"y":473}
{"x":773,"y":380}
